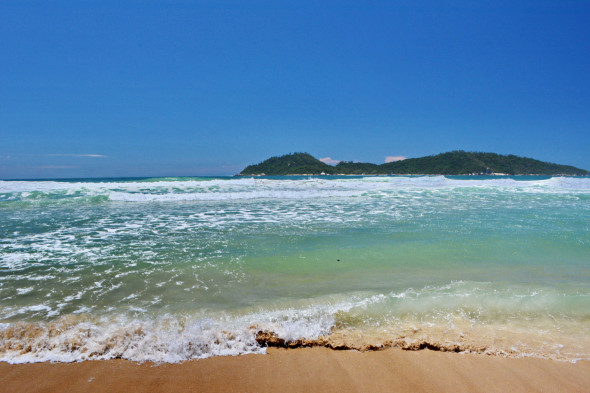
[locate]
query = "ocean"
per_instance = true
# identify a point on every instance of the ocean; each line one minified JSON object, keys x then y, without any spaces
{"x":172,"y":269}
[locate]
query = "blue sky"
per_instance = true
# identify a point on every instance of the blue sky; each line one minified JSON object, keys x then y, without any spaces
{"x":145,"y":88}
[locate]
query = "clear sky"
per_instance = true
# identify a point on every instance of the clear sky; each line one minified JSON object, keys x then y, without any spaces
{"x":146,"y":88}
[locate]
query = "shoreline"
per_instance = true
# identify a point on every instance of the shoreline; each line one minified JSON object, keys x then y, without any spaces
{"x":306,"y":369}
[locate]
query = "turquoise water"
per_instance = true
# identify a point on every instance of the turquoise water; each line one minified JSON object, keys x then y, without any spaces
{"x":169,"y":269}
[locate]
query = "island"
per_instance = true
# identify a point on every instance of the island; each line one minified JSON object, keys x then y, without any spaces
{"x":456,"y":162}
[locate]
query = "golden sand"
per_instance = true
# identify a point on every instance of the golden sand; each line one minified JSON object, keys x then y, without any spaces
{"x":307,"y":370}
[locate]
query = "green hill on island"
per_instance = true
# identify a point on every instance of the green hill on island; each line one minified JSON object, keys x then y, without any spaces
{"x":450,"y":163}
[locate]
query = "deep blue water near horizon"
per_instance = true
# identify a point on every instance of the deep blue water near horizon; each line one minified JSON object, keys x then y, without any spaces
{"x":174,"y":268}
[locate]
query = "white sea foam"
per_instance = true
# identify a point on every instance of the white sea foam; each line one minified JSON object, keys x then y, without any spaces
{"x":249,"y":188}
{"x":166,"y":338}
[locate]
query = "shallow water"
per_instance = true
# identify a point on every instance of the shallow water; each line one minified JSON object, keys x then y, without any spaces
{"x":179,"y":268}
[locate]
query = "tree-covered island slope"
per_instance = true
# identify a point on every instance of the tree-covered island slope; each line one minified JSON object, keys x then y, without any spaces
{"x":450,"y":163}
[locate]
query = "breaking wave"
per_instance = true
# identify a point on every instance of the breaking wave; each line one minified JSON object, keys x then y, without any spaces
{"x":459,"y":317}
{"x":169,"y":190}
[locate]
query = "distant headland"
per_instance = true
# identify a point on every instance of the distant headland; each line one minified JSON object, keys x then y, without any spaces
{"x":451,"y":163}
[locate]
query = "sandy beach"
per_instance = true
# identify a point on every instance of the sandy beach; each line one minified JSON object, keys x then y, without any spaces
{"x":309,"y":370}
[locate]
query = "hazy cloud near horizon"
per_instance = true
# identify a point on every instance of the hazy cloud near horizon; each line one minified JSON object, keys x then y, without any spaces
{"x":394,"y":158}
{"x":329,"y":161}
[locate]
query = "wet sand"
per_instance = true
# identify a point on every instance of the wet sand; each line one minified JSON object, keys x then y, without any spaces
{"x":307,"y":370}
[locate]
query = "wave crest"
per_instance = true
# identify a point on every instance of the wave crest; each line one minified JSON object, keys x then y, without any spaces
{"x":174,"y":189}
